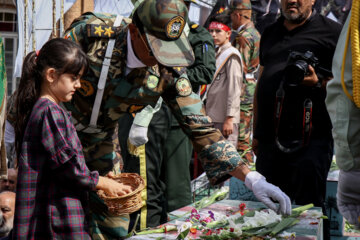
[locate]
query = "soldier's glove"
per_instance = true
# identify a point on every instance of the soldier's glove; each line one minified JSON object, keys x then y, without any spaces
{"x":265,"y":192}
{"x":138,"y":135}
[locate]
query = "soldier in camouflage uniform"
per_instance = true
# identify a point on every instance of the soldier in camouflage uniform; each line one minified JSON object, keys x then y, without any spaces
{"x":168,"y":151}
{"x":199,"y":73}
{"x":145,"y":65}
{"x":247,"y":42}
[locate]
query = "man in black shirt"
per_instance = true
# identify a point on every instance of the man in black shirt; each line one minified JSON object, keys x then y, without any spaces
{"x":292,"y":129}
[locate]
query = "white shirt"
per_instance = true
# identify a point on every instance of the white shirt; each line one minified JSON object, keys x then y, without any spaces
{"x":131,"y":60}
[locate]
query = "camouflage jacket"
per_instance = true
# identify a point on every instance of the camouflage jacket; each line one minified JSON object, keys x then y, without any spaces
{"x":92,"y":32}
{"x":140,"y":87}
{"x":247,"y":42}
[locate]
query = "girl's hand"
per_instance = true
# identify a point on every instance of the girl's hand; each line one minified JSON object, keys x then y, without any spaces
{"x":112,"y":188}
{"x":228,"y":127}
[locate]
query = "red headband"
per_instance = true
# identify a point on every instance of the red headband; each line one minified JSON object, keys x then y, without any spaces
{"x":218,"y":25}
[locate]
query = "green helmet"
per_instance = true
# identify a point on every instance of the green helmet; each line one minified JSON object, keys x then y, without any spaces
{"x":164,"y":22}
{"x":240,"y":5}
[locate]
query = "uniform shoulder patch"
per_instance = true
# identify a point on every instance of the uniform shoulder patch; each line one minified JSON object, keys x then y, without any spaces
{"x":152,"y":82}
{"x":103,"y":31}
{"x":86,"y":88}
{"x":194,"y":26}
{"x":183,"y":87}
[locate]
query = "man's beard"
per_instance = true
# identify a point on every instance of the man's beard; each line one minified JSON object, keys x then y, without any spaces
{"x":6,"y":226}
{"x":296,"y":18}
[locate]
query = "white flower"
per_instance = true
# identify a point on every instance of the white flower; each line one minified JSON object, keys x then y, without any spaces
{"x":287,"y":235}
{"x":312,"y":214}
{"x":184,"y":226}
{"x":261,"y":218}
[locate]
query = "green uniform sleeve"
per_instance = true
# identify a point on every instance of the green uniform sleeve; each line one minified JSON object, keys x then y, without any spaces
{"x":203,"y":69}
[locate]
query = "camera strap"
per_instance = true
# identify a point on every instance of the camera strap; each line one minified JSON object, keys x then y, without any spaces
{"x":306,"y":125}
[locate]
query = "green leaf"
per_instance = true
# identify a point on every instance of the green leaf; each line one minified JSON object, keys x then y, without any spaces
{"x":297,"y":211}
{"x":251,"y":231}
{"x":217,"y":224}
{"x":223,"y":236}
{"x":183,"y":234}
{"x":218,"y":195}
{"x":247,"y":214}
{"x":284,"y":223}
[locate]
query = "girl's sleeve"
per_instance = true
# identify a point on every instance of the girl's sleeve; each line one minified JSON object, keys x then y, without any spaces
{"x":60,"y":140}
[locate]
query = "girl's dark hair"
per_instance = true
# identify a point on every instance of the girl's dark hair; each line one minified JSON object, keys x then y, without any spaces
{"x":64,"y":56}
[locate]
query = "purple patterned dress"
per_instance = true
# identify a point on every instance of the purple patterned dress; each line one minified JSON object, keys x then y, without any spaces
{"x":53,"y":180}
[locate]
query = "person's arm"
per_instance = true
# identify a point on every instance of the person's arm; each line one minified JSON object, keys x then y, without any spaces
{"x":66,"y":160}
{"x":203,"y":69}
{"x":233,"y":83}
{"x":244,"y":46}
{"x":219,"y":157}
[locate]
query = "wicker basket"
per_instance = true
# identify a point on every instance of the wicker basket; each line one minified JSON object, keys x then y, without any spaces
{"x":127,"y":203}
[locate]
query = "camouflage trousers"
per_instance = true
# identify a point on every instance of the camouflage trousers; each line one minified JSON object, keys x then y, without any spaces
{"x":104,"y":225}
{"x":245,"y":126}
{"x":244,"y":139}
{"x":100,"y":154}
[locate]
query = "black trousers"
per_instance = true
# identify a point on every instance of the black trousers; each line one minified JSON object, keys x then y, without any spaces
{"x":301,"y":175}
{"x":155,"y":211}
{"x":167,"y":160}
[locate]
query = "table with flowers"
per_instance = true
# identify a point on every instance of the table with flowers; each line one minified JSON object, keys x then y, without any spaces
{"x":234,"y":219}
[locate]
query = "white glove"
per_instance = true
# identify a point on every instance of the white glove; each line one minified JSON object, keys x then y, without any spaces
{"x":138,"y":135}
{"x":264,"y":191}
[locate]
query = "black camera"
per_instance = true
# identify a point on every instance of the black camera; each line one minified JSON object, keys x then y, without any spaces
{"x":297,"y":67}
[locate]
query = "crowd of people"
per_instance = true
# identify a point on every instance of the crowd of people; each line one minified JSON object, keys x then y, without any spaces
{"x":167,"y":87}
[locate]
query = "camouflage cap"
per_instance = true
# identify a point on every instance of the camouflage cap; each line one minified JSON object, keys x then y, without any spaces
{"x":192,"y":1}
{"x":240,"y":5}
{"x":164,"y":22}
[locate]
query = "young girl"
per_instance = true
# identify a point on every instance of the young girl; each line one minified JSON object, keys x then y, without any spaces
{"x":53,"y":179}
{"x":223,"y":96}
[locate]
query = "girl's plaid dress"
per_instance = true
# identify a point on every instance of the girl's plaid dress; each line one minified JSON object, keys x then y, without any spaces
{"x":53,"y":179}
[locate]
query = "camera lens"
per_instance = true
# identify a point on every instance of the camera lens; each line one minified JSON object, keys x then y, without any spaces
{"x":295,"y":73}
